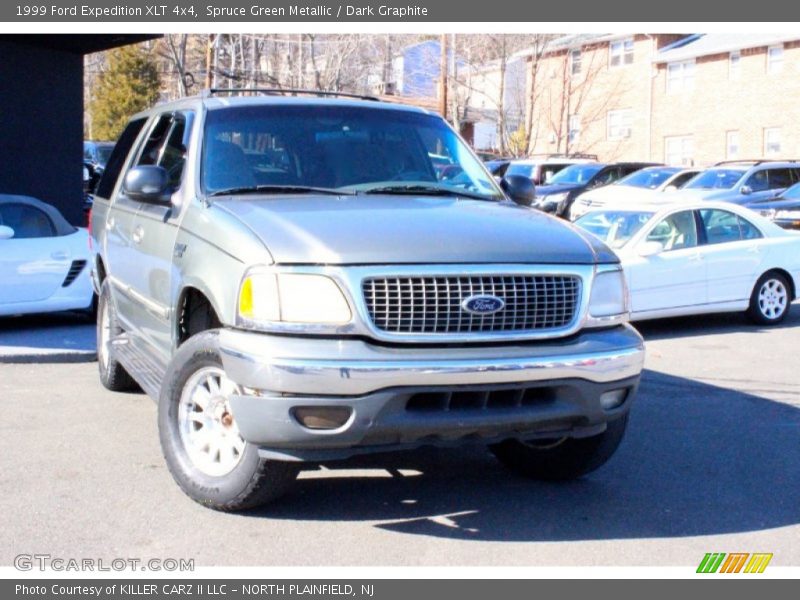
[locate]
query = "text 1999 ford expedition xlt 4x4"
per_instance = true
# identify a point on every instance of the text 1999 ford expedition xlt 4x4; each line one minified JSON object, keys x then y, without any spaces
{"x":293,"y":281}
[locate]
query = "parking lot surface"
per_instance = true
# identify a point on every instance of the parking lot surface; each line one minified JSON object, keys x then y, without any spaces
{"x":711,"y":463}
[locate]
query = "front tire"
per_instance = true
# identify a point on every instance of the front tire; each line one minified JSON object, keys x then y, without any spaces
{"x":770,"y":300}
{"x":561,"y":459}
{"x":205,"y":454}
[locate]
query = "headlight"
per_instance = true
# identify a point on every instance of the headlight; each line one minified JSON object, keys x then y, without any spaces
{"x":267,"y":297}
{"x":608,"y":302}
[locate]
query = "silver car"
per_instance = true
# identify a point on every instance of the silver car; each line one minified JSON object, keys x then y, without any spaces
{"x":293,"y":280}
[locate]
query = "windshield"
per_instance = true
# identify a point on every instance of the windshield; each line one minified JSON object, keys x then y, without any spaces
{"x":615,"y":228}
{"x":345,"y":148}
{"x":793,"y":193}
{"x":520,"y":169}
{"x":715,"y":179}
{"x":647,"y":178}
{"x":104,"y":152}
{"x":575,"y":174}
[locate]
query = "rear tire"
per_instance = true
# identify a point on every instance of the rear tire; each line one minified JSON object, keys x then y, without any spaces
{"x":561,"y":459}
{"x":770,"y":300}
{"x":205,"y":454}
{"x":113,"y":375}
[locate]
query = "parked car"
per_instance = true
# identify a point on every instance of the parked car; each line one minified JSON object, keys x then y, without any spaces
{"x":300,"y":285}
{"x":97,"y":154}
{"x":559,"y":194}
{"x":742,"y":182}
{"x":541,"y":170}
{"x":698,"y":257}
{"x":640,"y":185}
{"x":44,"y":261}
{"x":783,"y":208}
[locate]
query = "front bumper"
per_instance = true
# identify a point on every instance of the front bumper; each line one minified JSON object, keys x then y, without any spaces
{"x":540,"y":389}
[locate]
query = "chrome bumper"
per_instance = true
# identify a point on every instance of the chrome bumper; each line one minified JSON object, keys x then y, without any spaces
{"x":375,"y":382}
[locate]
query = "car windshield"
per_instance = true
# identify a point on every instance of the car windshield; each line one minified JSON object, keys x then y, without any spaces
{"x":104,"y":152}
{"x":647,"y":178}
{"x":793,"y":193}
{"x":615,"y":228}
{"x":520,"y":169}
{"x":715,"y":179}
{"x":297,"y":148}
{"x":575,"y":174}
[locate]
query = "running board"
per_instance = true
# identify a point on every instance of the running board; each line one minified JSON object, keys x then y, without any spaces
{"x":139,"y":364}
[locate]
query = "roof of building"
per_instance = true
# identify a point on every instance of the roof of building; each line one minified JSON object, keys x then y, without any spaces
{"x":697,"y":45}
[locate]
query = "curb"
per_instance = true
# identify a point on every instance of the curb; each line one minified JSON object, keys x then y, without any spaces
{"x":49,"y":358}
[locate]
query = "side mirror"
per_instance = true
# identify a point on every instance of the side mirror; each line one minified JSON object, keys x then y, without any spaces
{"x":6,"y":233}
{"x":650,"y":248}
{"x":519,"y":188}
{"x":746,"y":190}
{"x":147,"y":183}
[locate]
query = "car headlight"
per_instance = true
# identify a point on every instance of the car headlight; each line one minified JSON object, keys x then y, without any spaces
{"x":608,"y":303}
{"x":268,"y":297}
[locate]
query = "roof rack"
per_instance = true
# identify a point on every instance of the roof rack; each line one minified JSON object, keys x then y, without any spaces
{"x":754,"y":161}
{"x":209,"y":92}
{"x":563,"y":155}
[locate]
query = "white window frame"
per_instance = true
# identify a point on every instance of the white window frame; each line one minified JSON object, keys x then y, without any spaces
{"x":732,"y":141}
{"x":575,"y":63}
{"x":684,"y":154}
{"x":774,"y":132}
{"x":775,"y":59}
{"x":622,"y":50}
{"x":683,"y":78}
{"x":574,"y":129}
{"x":734,"y":64}
{"x":619,"y":124}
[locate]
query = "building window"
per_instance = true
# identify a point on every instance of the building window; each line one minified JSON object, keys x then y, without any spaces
{"x":619,"y":124}
{"x":680,"y":76}
{"x":775,"y":59}
{"x":734,"y":65}
{"x":772,"y":141}
{"x":620,"y":53}
{"x":574,"y":128}
{"x":575,"y":61}
{"x":679,"y":150}
{"x":732,"y":145}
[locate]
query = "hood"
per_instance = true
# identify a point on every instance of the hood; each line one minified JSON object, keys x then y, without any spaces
{"x":701,"y":194}
{"x":610,"y":193}
{"x":546,"y":190}
{"x":377,"y":229}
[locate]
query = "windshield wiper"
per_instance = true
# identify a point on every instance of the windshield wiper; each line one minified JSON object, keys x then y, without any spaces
{"x":280,"y":189}
{"x":426,"y":190}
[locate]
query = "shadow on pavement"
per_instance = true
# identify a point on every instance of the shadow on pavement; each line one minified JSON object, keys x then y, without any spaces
{"x":680,"y":327}
{"x":697,"y":460}
{"x":65,"y":335}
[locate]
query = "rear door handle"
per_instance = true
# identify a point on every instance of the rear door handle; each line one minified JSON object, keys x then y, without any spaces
{"x":138,"y":234}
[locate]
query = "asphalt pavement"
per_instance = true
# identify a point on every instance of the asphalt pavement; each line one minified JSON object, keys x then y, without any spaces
{"x":711,"y":463}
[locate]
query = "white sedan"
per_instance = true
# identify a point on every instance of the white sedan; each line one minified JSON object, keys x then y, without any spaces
{"x":44,"y":261}
{"x":701,"y":257}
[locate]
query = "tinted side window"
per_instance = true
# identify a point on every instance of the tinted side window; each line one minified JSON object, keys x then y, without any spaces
{"x":758,"y":181}
{"x":722,"y":226}
{"x":779,"y":178}
{"x":117,"y":159}
{"x":166,"y":145}
{"x":26,"y":221}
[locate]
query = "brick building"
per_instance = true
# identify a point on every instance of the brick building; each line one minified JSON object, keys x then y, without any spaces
{"x":674,"y":98}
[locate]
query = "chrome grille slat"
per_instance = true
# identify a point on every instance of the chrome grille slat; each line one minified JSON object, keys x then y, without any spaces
{"x":431,"y":304}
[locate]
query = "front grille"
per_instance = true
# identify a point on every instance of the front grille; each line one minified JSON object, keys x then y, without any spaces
{"x":432,"y":304}
{"x":74,"y":270}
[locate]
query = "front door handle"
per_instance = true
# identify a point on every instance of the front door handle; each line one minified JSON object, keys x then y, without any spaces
{"x":138,"y":234}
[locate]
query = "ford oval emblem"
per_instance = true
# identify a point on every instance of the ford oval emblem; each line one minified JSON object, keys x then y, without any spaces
{"x":483,"y":305}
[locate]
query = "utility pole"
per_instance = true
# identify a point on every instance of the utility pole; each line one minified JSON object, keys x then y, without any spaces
{"x":443,"y":76}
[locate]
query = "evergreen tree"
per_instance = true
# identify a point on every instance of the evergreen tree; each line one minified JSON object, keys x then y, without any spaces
{"x":129,"y":85}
